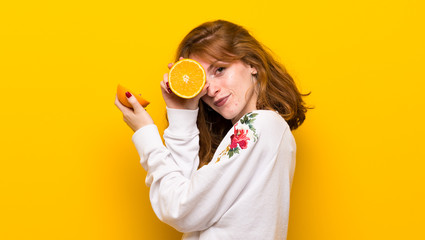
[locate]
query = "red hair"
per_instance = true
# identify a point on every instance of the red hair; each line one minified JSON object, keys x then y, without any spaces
{"x":226,"y":41}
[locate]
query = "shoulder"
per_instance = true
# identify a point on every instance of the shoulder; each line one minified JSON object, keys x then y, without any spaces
{"x":266,"y":121}
{"x":260,"y":129}
{"x":274,"y":133}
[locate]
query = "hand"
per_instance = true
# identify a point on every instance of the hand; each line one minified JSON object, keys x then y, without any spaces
{"x":174,"y":101}
{"x":135,"y":118}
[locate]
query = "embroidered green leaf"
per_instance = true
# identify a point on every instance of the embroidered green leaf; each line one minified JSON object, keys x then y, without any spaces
{"x":245,"y":119}
{"x":248,"y":118}
{"x":233,"y":151}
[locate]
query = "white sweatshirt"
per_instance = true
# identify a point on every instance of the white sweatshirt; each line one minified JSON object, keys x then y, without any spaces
{"x":243,"y":193}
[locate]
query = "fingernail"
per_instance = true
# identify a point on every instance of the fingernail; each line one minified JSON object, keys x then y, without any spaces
{"x":128,"y":94}
{"x":168,"y":87}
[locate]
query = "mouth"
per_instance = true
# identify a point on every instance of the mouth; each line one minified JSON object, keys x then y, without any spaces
{"x":220,"y":102}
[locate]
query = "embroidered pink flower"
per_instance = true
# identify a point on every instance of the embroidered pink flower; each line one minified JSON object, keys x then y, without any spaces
{"x":239,"y":137}
{"x":243,"y":131}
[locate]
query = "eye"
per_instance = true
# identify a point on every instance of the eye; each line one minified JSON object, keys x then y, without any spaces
{"x":219,"y":70}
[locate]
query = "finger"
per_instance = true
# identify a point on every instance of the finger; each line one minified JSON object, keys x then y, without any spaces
{"x":163,"y":87}
{"x":134,"y":103}
{"x":170,"y":65}
{"x":121,"y":107}
{"x":164,"y":83}
{"x":204,"y":90}
{"x":180,"y":58}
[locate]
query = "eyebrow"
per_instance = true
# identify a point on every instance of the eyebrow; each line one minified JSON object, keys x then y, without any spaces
{"x":212,"y":65}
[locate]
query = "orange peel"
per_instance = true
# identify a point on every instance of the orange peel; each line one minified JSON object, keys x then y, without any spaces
{"x":123,"y":98}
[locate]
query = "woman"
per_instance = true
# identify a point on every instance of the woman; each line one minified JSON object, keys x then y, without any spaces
{"x":227,"y":168}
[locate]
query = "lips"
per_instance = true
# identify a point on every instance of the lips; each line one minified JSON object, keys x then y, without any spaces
{"x":220,"y":102}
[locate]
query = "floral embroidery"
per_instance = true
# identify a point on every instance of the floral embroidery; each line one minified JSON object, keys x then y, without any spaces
{"x":243,"y":131}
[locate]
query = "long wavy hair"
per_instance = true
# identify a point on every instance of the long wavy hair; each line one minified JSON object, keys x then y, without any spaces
{"x":226,"y":41}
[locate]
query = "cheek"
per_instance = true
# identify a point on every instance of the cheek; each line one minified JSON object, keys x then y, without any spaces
{"x":240,"y":81}
{"x":232,"y":81}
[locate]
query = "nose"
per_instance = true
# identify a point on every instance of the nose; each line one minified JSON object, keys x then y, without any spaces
{"x":213,"y":89}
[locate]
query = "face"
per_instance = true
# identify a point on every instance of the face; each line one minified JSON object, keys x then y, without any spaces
{"x":230,"y":88}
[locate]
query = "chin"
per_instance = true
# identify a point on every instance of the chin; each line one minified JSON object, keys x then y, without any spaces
{"x":228,"y":116}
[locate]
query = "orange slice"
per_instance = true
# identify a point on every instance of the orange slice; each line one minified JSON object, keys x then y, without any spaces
{"x":186,"y":78}
{"x":123,"y":99}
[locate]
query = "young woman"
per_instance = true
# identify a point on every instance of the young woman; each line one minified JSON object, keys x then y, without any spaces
{"x":228,"y":162}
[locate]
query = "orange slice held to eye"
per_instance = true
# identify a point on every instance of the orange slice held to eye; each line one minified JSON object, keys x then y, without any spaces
{"x":123,"y":99}
{"x":186,"y":78}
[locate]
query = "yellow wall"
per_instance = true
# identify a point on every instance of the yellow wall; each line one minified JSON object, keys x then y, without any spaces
{"x":69,"y":169}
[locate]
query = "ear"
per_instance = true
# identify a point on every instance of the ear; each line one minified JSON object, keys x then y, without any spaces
{"x":253,"y":70}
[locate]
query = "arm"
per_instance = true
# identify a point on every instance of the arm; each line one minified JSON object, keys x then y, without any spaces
{"x":191,"y":204}
{"x":182,"y":139}
{"x":182,"y":135}
{"x":196,"y":203}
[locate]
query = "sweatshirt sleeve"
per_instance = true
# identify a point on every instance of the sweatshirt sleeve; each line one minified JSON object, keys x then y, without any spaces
{"x":196,"y":203}
{"x":182,"y":139}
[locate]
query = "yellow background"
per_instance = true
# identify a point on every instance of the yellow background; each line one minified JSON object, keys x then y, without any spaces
{"x":69,"y":169}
